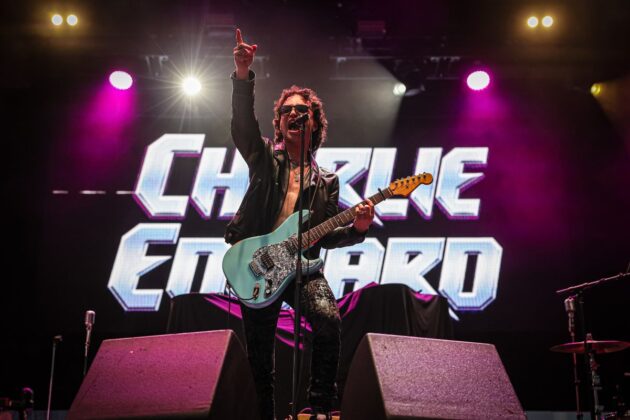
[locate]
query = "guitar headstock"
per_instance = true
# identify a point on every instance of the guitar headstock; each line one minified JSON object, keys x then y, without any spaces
{"x":405,"y":186}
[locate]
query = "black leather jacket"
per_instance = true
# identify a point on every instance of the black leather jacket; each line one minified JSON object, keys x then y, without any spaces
{"x":269,"y":177}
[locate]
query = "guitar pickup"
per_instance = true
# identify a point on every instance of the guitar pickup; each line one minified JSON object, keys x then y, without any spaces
{"x":266,"y":260}
{"x":288,"y":244}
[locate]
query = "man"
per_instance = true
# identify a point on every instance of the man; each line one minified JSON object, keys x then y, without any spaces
{"x":271,"y":197}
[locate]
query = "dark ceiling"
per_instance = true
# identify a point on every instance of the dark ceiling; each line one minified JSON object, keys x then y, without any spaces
{"x":589,"y":41}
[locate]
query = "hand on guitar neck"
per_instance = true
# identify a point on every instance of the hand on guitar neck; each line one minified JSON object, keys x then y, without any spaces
{"x":363,"y":216}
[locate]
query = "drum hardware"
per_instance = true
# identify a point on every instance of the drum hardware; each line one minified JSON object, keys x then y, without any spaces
{"x":24,"y":405}
{"x":598,"y":347}
{"x":588,"y":346}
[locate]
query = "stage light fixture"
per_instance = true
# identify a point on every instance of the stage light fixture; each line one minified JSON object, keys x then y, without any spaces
{"x":399,"y":89}
{"x":191,"y":86}
{"x":478,"y":80}
{"x":547,"y":21}
{"x":596,"y":89}
{"x":121,"y":80}
{"x":72,"y":20}
{"x":532,"y":22}
{"x":56,"y":20}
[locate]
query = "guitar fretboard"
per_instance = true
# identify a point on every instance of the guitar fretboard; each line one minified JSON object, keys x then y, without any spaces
{"x":315,"y":234}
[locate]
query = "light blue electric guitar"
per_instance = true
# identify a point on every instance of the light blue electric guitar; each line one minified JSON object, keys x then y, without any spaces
{"x":259,"y":269}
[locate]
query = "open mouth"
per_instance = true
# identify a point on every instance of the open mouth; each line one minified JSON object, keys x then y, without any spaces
{"x":293,"y":126}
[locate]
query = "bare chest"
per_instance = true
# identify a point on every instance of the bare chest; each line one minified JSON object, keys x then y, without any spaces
{"x":293,"y":190}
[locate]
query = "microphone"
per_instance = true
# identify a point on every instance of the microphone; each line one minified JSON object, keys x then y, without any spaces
{"x":299,"y":121}
{"x":89,"y":319}
{"x":89,"y":324}
{"x":569,"y":307}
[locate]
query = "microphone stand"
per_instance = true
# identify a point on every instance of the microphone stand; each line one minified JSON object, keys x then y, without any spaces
{"x":298,"y":284}
{"x":89,"y":324}
{"x":56,"y":340}
{"x":580,"y":287}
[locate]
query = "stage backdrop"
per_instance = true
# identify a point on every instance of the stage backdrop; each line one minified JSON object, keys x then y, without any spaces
{"x":530,"y":195}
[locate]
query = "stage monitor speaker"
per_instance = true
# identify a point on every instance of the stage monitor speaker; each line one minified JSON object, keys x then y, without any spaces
{"x":194,"y":375}
{"x":395,"y":377}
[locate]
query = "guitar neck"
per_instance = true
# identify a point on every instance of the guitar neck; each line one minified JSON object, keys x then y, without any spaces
{"x":315,"y":234}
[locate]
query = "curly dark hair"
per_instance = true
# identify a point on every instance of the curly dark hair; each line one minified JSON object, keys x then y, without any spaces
{"x":319,"y":136}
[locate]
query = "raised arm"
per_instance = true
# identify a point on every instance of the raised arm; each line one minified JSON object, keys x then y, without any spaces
{"x":245,"y":130}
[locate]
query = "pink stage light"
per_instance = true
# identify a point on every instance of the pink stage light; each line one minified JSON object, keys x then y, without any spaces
{"x":478,"y":80}
{"x":121,"y":80}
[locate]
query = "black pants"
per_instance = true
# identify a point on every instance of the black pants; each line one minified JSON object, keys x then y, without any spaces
{"x":320,"y":309}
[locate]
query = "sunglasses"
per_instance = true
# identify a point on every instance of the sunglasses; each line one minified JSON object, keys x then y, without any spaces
{"x":286,"y":109}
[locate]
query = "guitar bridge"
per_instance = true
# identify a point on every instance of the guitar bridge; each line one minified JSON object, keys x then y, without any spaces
{"x":255,"y":269}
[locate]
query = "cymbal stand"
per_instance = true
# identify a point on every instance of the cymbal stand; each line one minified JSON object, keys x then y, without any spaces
{"x":589,"y":360}
{"x":595,"y":380}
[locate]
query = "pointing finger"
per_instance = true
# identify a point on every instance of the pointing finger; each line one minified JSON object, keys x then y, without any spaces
{"x":239,"y":37}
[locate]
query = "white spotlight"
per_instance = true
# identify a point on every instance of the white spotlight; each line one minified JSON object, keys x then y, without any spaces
{"x":56,"y":20}
{"x":547,"y":21}
{"x":72,"y":20}
{"x":121,"y":80}
{"x":191,"y":86}
{"x":478,"y":80}
{"x":532,"y":22}
{"x":399,"y":89}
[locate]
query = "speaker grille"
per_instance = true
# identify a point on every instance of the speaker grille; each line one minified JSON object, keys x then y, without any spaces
{"x":395,"y":377}
{"x":193,"y":375}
